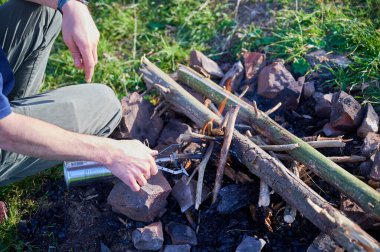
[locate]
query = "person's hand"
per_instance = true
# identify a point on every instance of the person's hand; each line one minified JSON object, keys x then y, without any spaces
{"x":132,"y":162}
{"x":81,"y":36}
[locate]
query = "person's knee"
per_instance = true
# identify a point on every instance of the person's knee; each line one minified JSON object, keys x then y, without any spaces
{"x":106,"y":98}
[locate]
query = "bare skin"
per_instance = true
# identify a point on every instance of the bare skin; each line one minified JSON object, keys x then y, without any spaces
{"x":130,"y":161}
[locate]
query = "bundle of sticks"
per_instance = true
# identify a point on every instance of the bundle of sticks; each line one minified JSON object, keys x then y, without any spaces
{"x":262,"y":159}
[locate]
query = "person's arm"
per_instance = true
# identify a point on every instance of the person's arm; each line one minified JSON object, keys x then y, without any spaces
{"x":130,"y":161}
{"x":79,"y":34}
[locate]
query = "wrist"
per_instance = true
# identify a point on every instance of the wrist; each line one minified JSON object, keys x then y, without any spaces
{"x":67,"y":4}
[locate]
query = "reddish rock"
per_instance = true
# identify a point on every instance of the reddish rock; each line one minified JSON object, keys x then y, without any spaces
{"x":375,"y":171}
{"x":250,"y":243}
{"x":148,"y":238}
{"x":346,"y":112}
{"x":199,"y":60}
{"x":330,"y":131}
{"x":322,"y":104}
{"x":177,"y":248}
{"x":253,"y":62}
{"x":308,"y":89}
{"x":144,"y":205}
{"x":235,"y":75}
{"x":136,"y":122}
{"x":273,"y":79}
{"x":370,"y":122}
{"x":171,"y":132}
{"x":290,"y":96}
{"x":181,"y":234}
{"x":371,"y":144}
{"x":356,"y":214}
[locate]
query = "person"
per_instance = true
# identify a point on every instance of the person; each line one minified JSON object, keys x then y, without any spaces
{"x":40,"y":130}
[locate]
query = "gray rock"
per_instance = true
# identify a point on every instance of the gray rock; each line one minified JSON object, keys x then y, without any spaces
{"x":185,"y":194}
{"x":371,"y":144}
{"x":171,"y":132}
{"x":136,"y":122}
{"x":370,"y":122}
{"x":375,"y":171}
{"x":181,"y":234}
{"x":330,"y":60}
{"x":346,"y":112}
{"x":177,"y":248}
{"x":235,"y":196}
{"x":330,"y":131}
{"x":365,"y":168}
{"x":199,"y":60}
{"x":273,"y":79}
{"x":322,"y":104}
{"x":148,"y":238}
{"x":235,"y":74}
{"x":290,"y":96}
{"x":144,"y":205}
{"x":251,"y":244}
{"x":308,"y":89}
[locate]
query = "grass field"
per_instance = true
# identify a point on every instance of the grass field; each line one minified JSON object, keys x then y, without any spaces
{"x":168,"y":30}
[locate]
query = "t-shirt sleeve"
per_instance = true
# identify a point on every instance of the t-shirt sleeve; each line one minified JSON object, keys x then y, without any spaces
{"x":5,"y":107}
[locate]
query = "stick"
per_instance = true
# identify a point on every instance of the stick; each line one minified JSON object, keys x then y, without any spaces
{"x":365,"y":196}
{"x":224,"y":151}
{"x":201,"y":173}
{"x":327,"y":144}
{"x":342,"y":159}
{"x":274,"y":109}
{"x":290,"y":212}
{"x":286,"y":184}
{"x":281,"y":147}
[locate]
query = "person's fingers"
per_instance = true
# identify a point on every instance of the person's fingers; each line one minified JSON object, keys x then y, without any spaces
{"x":153,"y":152}
{"x":131,"y":182}
{"x":141,"y":180}
{"x":75,"y":53}
{"x":88,"y":61}
{"x":95,"y":54}
{"x":153,"y":167}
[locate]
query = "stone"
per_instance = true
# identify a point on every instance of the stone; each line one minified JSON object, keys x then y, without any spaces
{"x":235,"y":74}
{"x":250,"y":244}
{"x":330,"y":60}
{"x":235,"y":196}
{"x":370,"y":122}
{"x":144,"y":205}
{"x":308,"y":89}
{"x":185,"y":194}
{"x":181,"y":234}
{"x":346,"y":112}
{"x":375,"y":171}
{"x":356,"y":213}
{"x":171,"y":132}
{"x":149,"y":238}
{"x":323,"y":242}
{"x":371,"y":144}
{"x":273,"y":79}
{"x":322,"y":104}
{"x":199,"y":60}
{"x":136,"y":122}
{"x":290,"y":96}
{"x":365,"y":168}
{"x":330,"y":131}
{"x":253,"y":62}
{"x":177,"y":248}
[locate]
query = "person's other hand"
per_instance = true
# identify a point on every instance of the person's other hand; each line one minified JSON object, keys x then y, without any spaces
{"x":132,"y":162}
{"x":81,"y":36}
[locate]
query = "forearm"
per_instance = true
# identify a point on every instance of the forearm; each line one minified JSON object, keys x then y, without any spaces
{"x":32,"y":137}
{"x":50,"y":3}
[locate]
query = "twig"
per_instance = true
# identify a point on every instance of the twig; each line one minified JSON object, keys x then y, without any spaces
{"x":190,"y":219}
{"x":327,"y":144}
{"x":291,"y":212}
{"x":214,"y":109}
{"x":201,"y":173}
{"x":246,"y":88}
{"x":237,"y":176}
{"x":224,"y":151}
{"x":280,"y":147}
{"x":342,"y":159}
{"x":264,"y":194}
{"x":187,"y":137}
{"x":272,"y":110}
{"x":321,"y":138}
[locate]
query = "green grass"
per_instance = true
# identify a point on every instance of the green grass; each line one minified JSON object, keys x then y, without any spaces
{"x":167,"y":31}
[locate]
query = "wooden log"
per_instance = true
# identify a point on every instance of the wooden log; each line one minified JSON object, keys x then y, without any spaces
{"x":285,"y":183}
{"x":365,"y":196}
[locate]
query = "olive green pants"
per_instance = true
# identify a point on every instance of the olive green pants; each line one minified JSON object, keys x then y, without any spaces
{"x":27,"y":33}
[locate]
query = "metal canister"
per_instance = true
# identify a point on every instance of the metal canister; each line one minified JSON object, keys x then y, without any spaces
{"x":85,"y":172}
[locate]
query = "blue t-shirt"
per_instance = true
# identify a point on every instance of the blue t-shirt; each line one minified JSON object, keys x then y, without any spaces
{"x":7,"y":82}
